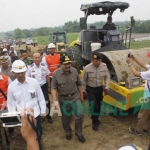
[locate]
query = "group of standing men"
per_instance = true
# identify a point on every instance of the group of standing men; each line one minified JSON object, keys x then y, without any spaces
{"x":31,"y":83}
{"x":29,"y":89}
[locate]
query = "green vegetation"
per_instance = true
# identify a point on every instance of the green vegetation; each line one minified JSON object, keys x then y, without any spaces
{"x":74,"y":26}
{"x":140,"y":44}
{"x":44,"y":40}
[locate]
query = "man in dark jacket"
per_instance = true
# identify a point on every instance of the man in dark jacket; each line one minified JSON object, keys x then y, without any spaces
{"x":108,"y":26}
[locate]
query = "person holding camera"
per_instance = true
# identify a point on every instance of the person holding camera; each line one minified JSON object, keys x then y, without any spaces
{"x":28,"y":133}
{"x":144,"y":113}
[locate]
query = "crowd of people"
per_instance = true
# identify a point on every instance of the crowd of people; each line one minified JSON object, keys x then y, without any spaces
{"x":25,"y":82}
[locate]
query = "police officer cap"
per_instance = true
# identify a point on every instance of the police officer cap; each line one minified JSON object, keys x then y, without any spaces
{"x":22,"y":50}
{"x":63,"y":54}
{"x":4,"y":59}
{"x":65,"y":59}
{"x":96,"y":56}
{"x":109,"y":18}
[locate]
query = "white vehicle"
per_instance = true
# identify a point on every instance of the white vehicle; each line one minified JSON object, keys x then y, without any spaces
{"x":29,"y":41}
{"x":23,"y":41}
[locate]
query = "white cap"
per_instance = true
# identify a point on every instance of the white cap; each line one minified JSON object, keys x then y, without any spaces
{"x":4,"y":50}
{"x":51,"y":45}
{"x":11,"y":46}
{"x":19,"y":66}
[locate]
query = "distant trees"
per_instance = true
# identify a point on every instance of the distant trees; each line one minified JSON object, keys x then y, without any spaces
{"x":142,"y":26}
{"x":27,"y":33}
{"x":71,"y":26}
{"x":74,"y":26}
{"x":18,"y":34}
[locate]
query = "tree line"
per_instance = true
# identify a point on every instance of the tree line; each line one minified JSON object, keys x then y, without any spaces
{"x":74,"y":26}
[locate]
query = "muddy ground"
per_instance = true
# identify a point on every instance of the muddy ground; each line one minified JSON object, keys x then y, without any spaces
{"x":112,"y":134}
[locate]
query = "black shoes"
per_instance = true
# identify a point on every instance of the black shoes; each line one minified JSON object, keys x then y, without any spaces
{"x":95,"y":125}
{"x":80,"y":138}
{"x":68,"y":136}
{"x":49,"y":118}
{"x":42,"y":119}
{"x":98,"y":122}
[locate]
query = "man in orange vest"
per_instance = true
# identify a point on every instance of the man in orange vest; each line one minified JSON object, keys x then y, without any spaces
{"x":4,"y":82}
{"x":52,"y":60}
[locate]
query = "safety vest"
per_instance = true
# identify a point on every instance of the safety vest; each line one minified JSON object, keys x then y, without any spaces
{"x":4,"y":87}
{"x":52,"y":62}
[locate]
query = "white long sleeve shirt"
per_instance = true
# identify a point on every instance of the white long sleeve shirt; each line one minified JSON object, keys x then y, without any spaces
{"x":26,"y":95}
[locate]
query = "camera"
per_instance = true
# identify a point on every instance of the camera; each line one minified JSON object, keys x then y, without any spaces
{"x":10,"y":119}
{"x":129,"y":55}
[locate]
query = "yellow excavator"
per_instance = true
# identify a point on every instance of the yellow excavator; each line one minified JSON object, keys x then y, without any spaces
{"x":59,"y":38}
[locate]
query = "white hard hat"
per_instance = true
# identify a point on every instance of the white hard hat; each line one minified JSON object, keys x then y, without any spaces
{"x":4,"y":50}
{"x":11,"y":46}
{"x":126,"y":148}
{"x":19,"y":66}
{"x":51,"y":45}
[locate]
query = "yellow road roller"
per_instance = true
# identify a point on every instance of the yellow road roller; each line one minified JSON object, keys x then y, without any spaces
{"x":125,"y":90}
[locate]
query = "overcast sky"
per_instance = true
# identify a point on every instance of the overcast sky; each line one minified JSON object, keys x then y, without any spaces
{"x":26,"y":14}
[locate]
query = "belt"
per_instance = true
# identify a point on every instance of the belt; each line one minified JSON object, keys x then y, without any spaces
{"x":98,"y":87}
{"x":69,"y":95}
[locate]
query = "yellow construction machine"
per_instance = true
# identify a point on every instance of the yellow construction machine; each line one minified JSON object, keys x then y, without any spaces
{"x":60,"y":40}
{"x":125,"y":90}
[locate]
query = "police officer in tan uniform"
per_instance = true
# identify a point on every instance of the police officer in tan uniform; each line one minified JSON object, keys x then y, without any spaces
{"x":94,"y":74}
{"x":66,"y":82}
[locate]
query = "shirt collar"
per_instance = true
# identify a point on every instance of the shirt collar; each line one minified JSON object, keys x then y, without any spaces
{"x":26,"y":80}
{"x":1,"y":77}
{"x":52,"y":55}
{"x":36,"y":66}
{"x":62,"y":72}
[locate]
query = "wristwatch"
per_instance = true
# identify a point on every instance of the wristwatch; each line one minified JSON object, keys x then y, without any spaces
{"x":129,"y":65}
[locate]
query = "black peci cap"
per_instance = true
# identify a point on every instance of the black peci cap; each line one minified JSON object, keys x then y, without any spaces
{"x":65,"y":59}
{"x":96,"y":55}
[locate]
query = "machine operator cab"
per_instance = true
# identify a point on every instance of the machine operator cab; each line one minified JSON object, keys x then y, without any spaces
{"x":94,"y":35}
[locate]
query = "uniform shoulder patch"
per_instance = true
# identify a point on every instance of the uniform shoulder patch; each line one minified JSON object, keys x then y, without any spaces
{"x":103,"y":64}
{"x":42,"y":64}
{"x":32,"y":65}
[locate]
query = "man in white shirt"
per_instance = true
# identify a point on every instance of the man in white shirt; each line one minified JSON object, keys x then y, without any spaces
{"x":25,"y":92}
{"x":41,"y":73}
{"x":144,"y":113}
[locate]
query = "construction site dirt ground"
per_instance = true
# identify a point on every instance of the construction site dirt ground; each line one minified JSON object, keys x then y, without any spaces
{"x":112,"y":134}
